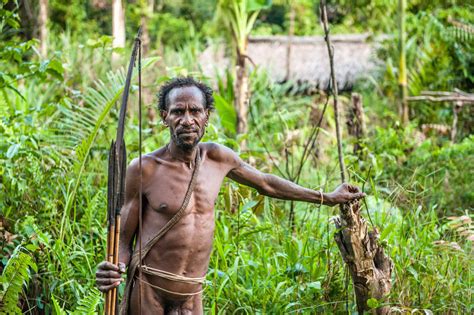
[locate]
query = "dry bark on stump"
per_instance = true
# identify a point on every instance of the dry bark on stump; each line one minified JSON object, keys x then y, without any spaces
{"x":370,"y":268}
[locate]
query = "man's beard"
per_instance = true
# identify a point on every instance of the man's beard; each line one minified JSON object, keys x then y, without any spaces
{"x":183,"y":145}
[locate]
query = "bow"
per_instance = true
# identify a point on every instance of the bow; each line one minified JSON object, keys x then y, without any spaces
{"x":116,"y":176}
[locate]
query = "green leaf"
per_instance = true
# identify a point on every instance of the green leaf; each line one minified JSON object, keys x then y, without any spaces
{"x":31,"y":247}
{"x":55,"y":68}
{"x":88,"y":304}
{"x":13,"y":150}
{"x":413,"y":272}
{"x":254,"y":5}
{"x":226,"y":112}
{"x":15,"y":275}
{"x":315,"y":285}
{"x":373,"y":303}
{"x":57,"y":310}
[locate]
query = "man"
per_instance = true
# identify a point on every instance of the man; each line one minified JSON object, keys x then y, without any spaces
{"x":186,"y":175}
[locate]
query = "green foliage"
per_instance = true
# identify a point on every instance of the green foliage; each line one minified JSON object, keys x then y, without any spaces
{"x":433,"y":174}
{"x":239,"y":16}
{"x":86,"y":306}
{"x":438,"y":59}
{"x":57,"y":116}
{"x":13,"y":53}
{"x":15,"y":276}
{"x":170,"y":30}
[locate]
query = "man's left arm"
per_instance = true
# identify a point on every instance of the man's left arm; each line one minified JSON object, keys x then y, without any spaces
{"x":277,"y":187}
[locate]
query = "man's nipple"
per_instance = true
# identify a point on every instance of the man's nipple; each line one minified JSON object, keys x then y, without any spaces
{"x":162,"y":207}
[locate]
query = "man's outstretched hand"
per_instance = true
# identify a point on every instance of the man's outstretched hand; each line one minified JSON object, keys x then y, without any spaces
{"x":108,"y":275}
{"x":342,"y":194}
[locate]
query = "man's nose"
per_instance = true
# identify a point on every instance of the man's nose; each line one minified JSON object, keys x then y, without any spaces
{"x":187,"y":119}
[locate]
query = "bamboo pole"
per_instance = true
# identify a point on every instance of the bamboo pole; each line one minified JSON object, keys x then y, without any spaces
{"x":402,"y":69}
{"x":115,"y":259}
{"x":110,"y":258}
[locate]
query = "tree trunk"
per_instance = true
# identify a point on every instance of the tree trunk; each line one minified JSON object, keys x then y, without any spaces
{"x":147,"y":10}
{"x":356,"y":121}
{"x":241,"y":94}
{"x":369,"y":267}
{"x":27,"y":20}
{"x":43,"y":29}
{"x":118,"y":26}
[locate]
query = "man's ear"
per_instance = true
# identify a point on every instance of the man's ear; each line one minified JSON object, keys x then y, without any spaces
{"x":208,"y":113}
{"x":163,"y":115}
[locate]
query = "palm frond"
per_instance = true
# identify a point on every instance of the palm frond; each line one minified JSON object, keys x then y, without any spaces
{"x":79,"y":125}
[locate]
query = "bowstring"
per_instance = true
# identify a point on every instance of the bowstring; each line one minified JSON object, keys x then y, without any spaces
{"x":141,"y":174}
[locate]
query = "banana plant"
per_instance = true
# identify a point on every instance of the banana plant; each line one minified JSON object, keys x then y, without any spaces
{"x":239,"y":16}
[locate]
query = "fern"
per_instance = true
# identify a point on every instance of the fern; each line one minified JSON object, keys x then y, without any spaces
{"x":58,"y":310}
{"x":461,"y":31}
{"x":14,"y":277}
{"x":86,"y":306}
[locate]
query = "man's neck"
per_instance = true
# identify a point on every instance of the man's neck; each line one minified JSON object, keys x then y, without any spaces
{"x":180,"y":154}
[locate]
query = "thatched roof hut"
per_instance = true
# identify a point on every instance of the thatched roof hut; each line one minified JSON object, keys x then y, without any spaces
{"x":308,"y":61}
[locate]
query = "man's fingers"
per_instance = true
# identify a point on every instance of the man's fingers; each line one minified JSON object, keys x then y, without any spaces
{"x":360,"y":195}
{"x":353,"y":196}
{"x":107,"y":274}
{"x":353,"y":189}
{"x":107,"y":281}
{"x":105,"y":288}
{"x":107,"y":266}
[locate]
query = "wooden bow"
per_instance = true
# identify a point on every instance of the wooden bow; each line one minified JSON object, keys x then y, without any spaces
{"x":116,"y":176}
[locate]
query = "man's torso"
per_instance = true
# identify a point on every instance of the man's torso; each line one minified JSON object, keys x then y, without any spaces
{"x":185,"y":249}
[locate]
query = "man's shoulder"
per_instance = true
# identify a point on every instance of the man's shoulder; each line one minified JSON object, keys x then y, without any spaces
{"x":149,"y":161}
{"x":218,"y":152}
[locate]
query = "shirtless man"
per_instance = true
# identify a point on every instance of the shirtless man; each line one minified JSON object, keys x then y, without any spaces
{"x":184,"y":251}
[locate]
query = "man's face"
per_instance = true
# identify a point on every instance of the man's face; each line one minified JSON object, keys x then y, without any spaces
{"x":186,"y":116}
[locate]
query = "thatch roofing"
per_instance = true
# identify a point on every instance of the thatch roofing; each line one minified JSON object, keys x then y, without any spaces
{"x":309,"y":62}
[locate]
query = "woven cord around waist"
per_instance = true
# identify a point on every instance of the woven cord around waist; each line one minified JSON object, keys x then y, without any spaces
{"x":169,"y":291}
{"x":171,"y":276}
{"x":134,"y":262}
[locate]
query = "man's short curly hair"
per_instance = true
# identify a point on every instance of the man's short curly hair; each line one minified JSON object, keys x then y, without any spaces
{"x":179,"y":82}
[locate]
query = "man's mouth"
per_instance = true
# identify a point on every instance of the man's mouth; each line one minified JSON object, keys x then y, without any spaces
{"x":186,"y":132}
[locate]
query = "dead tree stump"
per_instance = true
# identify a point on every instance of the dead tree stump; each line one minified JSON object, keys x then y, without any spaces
{"x":369,"y":267}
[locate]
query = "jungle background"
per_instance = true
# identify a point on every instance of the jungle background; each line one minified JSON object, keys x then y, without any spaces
{"x":62,"y":73}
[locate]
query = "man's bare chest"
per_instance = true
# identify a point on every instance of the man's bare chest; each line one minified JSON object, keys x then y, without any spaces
{"x":165,"y":190}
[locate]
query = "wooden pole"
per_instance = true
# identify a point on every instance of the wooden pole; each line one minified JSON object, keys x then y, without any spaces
{"x":368,"y":265}
{"x":340,"y":155}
